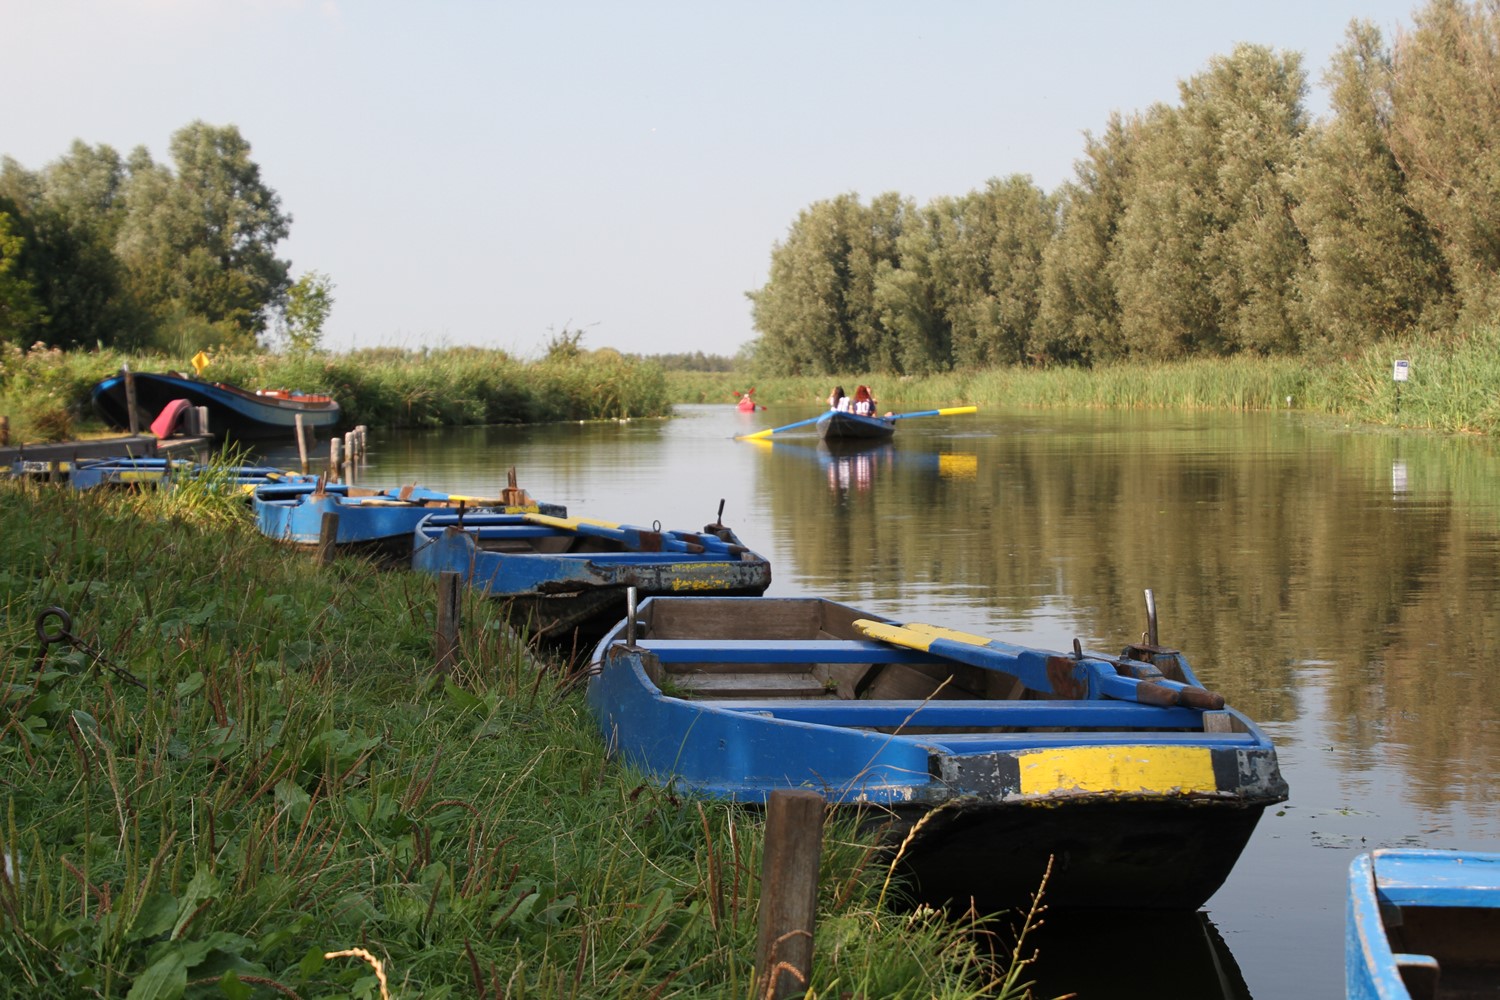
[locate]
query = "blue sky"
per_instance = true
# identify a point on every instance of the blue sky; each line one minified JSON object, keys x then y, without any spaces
{"x":492,"y":173}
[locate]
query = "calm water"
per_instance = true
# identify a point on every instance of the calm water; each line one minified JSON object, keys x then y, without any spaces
{"x":1339,"y":586}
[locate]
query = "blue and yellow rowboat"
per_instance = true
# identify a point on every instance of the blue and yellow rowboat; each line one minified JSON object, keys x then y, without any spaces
{"x":567,"y":577}
{"x":375,"y":522}
{"x":975,"y":760}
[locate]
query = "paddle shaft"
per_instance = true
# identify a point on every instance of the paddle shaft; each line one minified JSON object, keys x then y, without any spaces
{"x":947,"y":411}
{"x":1054,"y":673}
{"x":777,"y":430}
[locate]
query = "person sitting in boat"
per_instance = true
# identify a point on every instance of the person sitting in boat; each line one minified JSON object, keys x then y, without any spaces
{"x":864,"y":403}
{"x":837,"y":400}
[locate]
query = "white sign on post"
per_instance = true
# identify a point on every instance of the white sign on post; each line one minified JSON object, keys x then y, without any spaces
{"x":1402,"y":370}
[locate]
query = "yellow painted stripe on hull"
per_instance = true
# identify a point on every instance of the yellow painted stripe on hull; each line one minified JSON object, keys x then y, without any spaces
{"x":1154,"y":769}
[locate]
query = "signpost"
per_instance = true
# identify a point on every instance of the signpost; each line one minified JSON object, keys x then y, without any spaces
{"x":1399,"y":374}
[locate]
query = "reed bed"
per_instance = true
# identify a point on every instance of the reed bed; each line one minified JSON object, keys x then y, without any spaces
{"x":1454,"y":386}
{"x":245,"y":779}
{"x":45,"y":393}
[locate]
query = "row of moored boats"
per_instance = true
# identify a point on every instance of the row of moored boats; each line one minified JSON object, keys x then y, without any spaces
{"x":975,"y":761}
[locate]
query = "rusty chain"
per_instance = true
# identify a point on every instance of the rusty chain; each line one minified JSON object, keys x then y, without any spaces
{"x":64,"y":634}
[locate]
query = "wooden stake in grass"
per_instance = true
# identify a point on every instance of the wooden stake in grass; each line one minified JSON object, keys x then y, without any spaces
{"x":447,"y":620}
{"x":328,"y":536}
{"x":788,"y":892}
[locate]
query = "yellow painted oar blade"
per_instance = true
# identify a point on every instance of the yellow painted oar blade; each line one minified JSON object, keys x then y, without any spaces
{"x":913,"y":633}
{"x":758,"y":434}
{"x":955,"y":410}
{"x":567,"y":523}
{"x":896,"y":635}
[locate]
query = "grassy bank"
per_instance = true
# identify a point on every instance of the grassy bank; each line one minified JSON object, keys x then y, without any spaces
{"x":1454,"y":386}
{"x":250,"y":767}
{"x":46,"y":393}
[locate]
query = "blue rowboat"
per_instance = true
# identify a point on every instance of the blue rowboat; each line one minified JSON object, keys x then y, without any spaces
{"x":972,"y":760}
{"x":94,"y":473}
{"x":837,"y":425}
{"x":370,"y":521}
{"x":1423,"y":924}
{"x":232,"y":412}
{"x":567,"y":577}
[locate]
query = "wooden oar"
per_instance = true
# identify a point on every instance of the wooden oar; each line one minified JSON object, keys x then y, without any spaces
{"x":947,"y":411}
{"x":642,"y":539}
{"x":1042,"y":671}
{"x":777,"y":430}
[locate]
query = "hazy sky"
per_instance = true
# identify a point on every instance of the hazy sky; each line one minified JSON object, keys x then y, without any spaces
{"x":492,"y":173}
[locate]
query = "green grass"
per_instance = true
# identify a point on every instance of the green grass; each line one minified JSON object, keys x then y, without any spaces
{"x":247,"y":763}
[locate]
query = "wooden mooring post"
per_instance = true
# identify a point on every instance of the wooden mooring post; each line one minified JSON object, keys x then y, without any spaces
{"x":328,"y":537}
{"x":301,"y":442}
{"x":788,"y":893}
{"x":4,"y":432}
{"x":132,"y":418}
{"x":448,"y":616}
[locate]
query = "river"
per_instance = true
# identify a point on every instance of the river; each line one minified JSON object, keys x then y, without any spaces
{"x":1337,"y":584}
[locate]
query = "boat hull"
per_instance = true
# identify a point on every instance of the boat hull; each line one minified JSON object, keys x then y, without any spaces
{"x":232,"y":412}
{"x":1138,"y":806}
{"x":379,"y":523}
{"x":837,"y":425}
{"x":1417,"y":919}
{"x":560,"y":583}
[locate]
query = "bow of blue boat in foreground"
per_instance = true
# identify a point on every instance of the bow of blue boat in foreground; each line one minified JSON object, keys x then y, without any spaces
{"x":1423,"y":924}
{"x":974,"y":760}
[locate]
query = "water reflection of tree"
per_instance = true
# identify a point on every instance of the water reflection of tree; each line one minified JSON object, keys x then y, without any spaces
{"x":1276,"y":552}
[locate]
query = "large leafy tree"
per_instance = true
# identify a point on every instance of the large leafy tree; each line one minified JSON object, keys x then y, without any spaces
{"x":913,"y":294}
{"x":1445,"y":134}
{"x":817,"y":312}
{"x":1166,"y":309}
{"x":68,"y":213}
{"x":1375,"y":266}
{"x":994,"y":259}
{"x":1207,"y":256}
{"x":1246,"y":113}
{"x":200,"y":241}
{"x":1078,"y":316}
{"x":20,"y":313}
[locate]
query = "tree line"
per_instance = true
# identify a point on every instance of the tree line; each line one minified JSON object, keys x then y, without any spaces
{"x":100,"y":250}
{"x":1227,"y":223}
